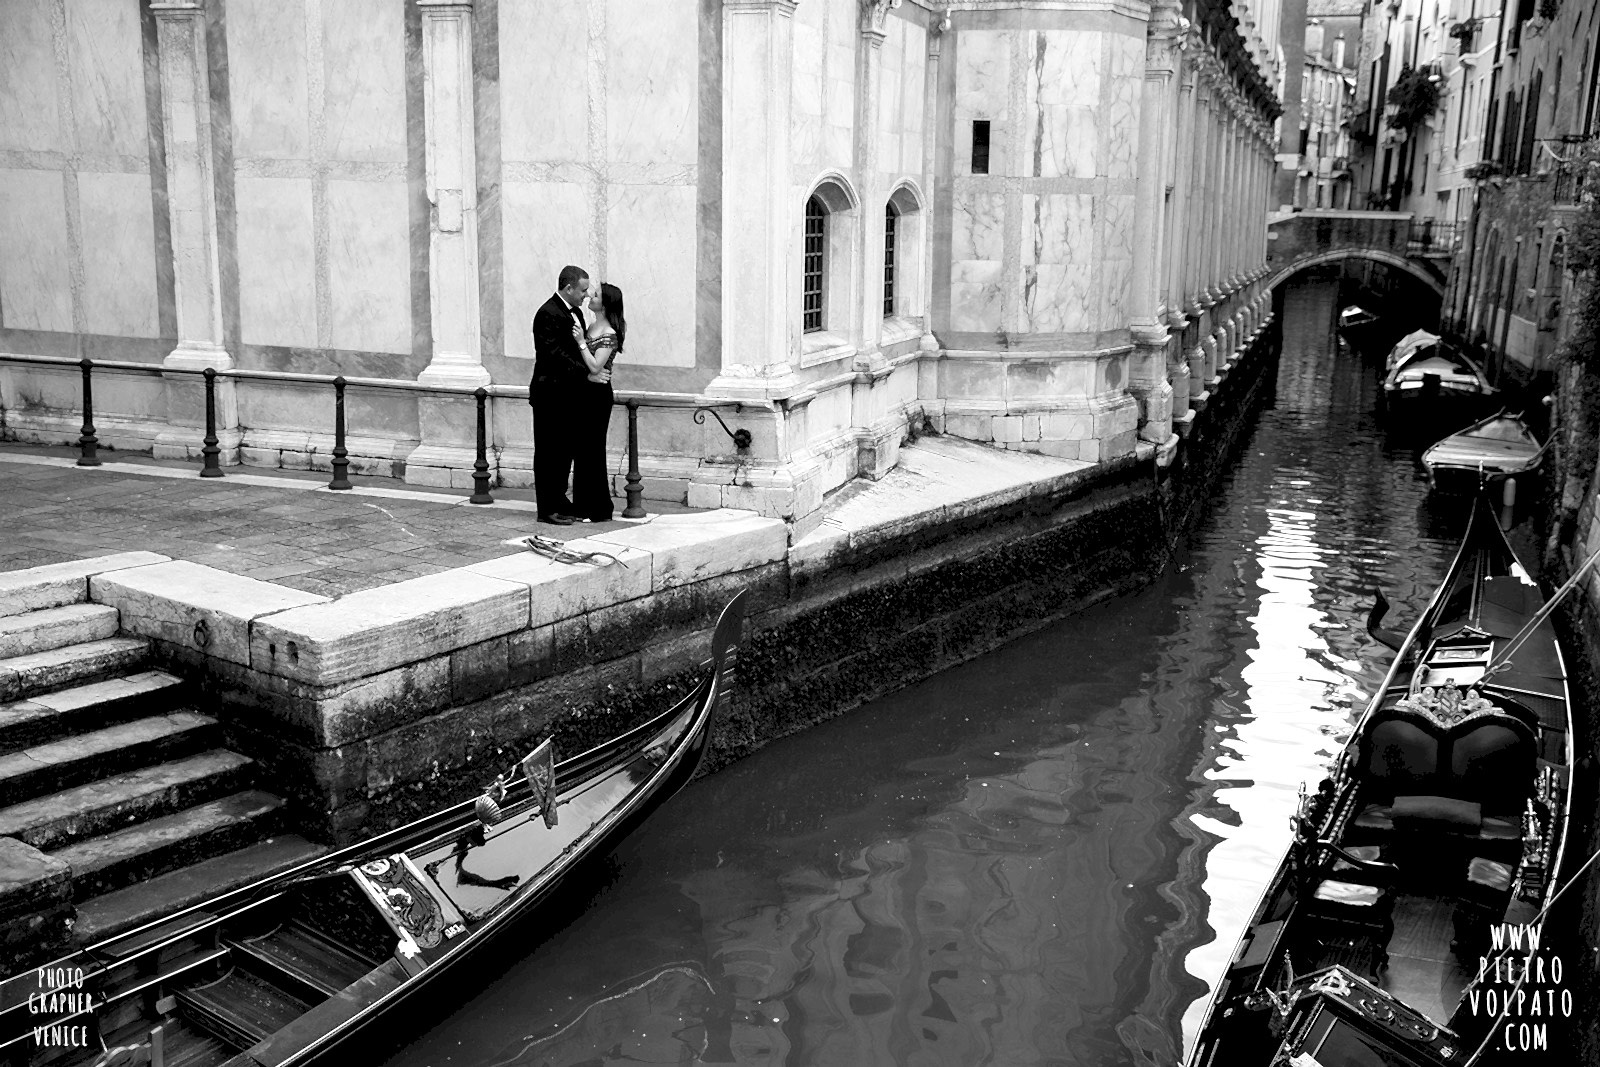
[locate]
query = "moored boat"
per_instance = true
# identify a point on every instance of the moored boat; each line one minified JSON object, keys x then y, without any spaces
{"x":1426,"y":377}
{"x":1359,"y":326}
{"x":301,"y":967}
{"x":1486,"y":453}
{"x":1419,"y":865}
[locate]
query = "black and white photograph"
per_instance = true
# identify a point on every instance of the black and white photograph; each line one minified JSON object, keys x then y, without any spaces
{"x":799,"y":533}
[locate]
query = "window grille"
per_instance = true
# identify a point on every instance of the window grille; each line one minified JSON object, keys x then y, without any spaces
{"x":890,"y":217}
{"x":816,"y":242}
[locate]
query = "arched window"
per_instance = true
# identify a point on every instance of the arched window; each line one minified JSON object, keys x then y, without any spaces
{"x":890,"y":218}
{"x":831,"y":268}
{"x":816,"y":259}
{"x":902,"y":255}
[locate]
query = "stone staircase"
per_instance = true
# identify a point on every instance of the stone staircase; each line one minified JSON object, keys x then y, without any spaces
{"x":108,"y":767}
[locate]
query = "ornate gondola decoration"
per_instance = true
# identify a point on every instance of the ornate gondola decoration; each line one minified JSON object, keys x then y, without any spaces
{"x":299,"y":967}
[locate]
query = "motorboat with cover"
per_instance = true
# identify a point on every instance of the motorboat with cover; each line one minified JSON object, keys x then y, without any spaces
{"x":312,"y":964}
{"x":1420,"y":863}
{"x":1426,"y":376}
{"x":1357,"y":325}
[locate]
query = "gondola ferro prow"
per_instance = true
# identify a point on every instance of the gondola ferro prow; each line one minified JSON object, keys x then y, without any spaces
{"x":1385,"y":637}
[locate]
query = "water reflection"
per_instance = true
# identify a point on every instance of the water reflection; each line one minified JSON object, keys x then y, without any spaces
{"x":1040,"y":857}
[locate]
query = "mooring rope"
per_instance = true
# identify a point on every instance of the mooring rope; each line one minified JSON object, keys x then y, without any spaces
{"x":550,"y":548}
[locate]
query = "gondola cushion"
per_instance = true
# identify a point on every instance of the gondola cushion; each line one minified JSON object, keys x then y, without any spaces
{"x":1431,"y":812}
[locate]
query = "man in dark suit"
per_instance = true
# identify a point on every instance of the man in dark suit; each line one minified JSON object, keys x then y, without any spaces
{"x":558,"y":371}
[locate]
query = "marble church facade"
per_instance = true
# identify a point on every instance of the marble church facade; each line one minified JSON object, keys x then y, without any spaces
{"x":1037,"y":224}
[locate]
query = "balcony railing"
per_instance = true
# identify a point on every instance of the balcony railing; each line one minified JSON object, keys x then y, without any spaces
{"x":1433,"y":238}
{"x":1572,"y":171}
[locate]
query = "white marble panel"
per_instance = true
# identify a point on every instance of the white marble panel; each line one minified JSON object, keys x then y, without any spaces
{"x":977,"y":222}
{"x":29,"y":118}
{"x":546,"y":226}
{"x":277,"y":269}
{"x":976,"y":300}
{"x":1116,"y":225}
{"x":369,"y":266}
{"x":119,"y":279}
{"x":1059,"y":291}
{"x":1062,"y":91}
{"x":913,"y":78}
{"x":652,"y":81}
{"x":1067,"y":68}
{"x":35,"y":287}
{"x":1124,"y":93}
{"x":983,"y":74}
{"x":106,"y":60}
{"x":267,"y":78}
{"x":650,"y":256}
{"x":806,"y":91}
{"x":364,"y":92}
{"x":544,"y":81}
{"x":1115,"y":277}
{"x":891,"y":102}
{"x":839,"y":104}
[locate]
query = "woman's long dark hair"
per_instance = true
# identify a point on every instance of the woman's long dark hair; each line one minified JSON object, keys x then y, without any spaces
{"x":611,"y":304}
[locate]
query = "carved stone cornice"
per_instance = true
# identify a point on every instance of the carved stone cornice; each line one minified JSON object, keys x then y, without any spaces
{"x":874,"y":13}
{"x":782,"y":7}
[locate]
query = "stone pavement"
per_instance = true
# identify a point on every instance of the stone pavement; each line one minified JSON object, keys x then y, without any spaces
{"x":279,"y":526}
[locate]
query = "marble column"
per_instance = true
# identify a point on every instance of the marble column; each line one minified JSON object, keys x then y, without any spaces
{"x":452,"y":183}
{"x":866,"y":327}
{"x":1147,"y":376}
{"x":757,"y":216}
{"x":877,"y":437}
{"x":760,"y":225}
{"x":1180,"y":241}
{"x":448,"y":424}
{"x":192,"y":210}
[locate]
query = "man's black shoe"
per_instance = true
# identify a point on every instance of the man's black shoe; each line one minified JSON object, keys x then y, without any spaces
{"x":558,"y":519}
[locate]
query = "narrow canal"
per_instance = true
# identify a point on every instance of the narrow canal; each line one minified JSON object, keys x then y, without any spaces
{"x":1040,"y":857}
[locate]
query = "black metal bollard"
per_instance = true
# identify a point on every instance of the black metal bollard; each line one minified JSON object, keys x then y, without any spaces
{"x":635,"y":484}
{"x":88,"y":444}
{"x":480,"y":466}
{"x":210,"y":469}
{"x":341,"y":458}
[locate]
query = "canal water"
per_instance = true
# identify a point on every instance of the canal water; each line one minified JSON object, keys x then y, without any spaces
{"x":1043,"y":856}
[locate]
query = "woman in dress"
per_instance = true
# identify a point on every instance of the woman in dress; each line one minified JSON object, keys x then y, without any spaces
{"x":591,"y":484}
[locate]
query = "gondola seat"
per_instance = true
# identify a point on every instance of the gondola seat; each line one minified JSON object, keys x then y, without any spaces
{"x":1452,"y":782}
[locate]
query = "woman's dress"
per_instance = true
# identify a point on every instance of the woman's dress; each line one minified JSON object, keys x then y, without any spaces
{"x":591,"y":482}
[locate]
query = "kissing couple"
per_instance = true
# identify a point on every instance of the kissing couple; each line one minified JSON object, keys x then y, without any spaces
{"x":571,"y":396}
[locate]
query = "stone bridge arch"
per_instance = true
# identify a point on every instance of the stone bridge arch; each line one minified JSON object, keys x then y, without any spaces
{"x":1304,"y":239}
{"x":1288,"y":270}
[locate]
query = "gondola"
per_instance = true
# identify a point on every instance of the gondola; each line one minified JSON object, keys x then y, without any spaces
{"x":1358,"y":326}
{"x":1426,"y":853}
{"x":1425,"y":377}
{"x":1487,"y":453}
{"x":312,"y":965}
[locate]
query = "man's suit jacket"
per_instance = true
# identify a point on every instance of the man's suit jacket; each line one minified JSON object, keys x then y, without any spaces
{"x":556,"y":357}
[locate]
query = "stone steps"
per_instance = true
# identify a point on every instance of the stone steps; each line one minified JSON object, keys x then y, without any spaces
{"x":43,"y":672}
{"x":55,"y":714}
{"x":110,"y":804}
{"x":57,"y":765}
{"x":116,"y":912}
{"x":51,"y":628}
{"x":158,"y":846}
{"x":56,"y":584}
{"x":106,"y":775}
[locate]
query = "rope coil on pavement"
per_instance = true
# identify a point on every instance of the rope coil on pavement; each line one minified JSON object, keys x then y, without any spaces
{"x":551,"y":548}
